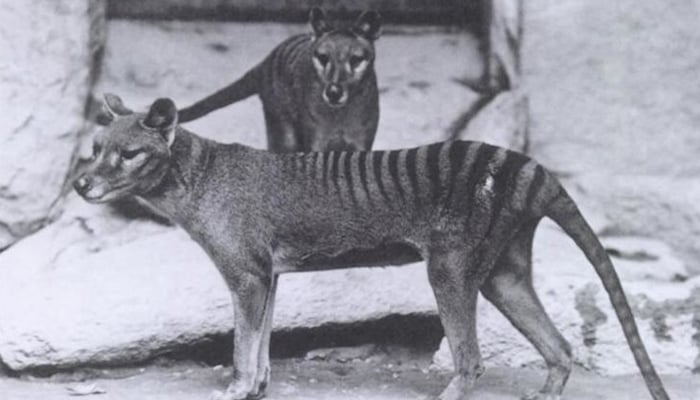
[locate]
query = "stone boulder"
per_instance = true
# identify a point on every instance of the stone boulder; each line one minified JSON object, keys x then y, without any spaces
{"x":48,"y":48}
{"x":610,"y":93}
{"x":664,"y":302}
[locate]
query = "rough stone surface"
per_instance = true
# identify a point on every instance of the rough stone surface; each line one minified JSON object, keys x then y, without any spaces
{"x":650,"y":205}
{"x":45,"y":73}
{"x":665,"y":308}
{"x":610,"y":93}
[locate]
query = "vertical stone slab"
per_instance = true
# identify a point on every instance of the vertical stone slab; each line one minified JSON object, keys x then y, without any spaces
{"x":500,"y":116}
{"x":614,"y":108}
{"x":48,"y":50}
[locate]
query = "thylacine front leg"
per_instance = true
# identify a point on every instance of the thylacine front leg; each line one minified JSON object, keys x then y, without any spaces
{"x":250,"y":287}
{"x":263,"y":375}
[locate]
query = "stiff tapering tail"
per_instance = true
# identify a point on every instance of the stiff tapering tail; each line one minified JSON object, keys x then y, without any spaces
{"x":247,"y":86}
{"x":566,"y":214}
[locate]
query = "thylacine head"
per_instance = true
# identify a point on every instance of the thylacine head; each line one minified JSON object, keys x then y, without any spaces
{"x":132,"y":156}
{"x":343,"y":55}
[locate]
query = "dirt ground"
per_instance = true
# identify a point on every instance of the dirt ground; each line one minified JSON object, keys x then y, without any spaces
{"x":396,"y":374}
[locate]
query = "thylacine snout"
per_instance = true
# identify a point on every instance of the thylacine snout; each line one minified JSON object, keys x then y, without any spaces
{"x":133,"y":161}
{"x":342,"y":56}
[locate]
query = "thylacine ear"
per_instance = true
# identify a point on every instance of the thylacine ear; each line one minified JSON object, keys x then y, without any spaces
{"x":318,"y":22}
{"x":112,"y":107}
{"x":162,"y":117}
{"x":369,"y":25}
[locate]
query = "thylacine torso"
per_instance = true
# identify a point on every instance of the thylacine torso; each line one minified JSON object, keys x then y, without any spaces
{"x":318,"y":90}
{"x":469,"y":209}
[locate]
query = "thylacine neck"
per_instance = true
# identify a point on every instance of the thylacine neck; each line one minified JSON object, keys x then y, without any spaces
{"x":172,"y":196}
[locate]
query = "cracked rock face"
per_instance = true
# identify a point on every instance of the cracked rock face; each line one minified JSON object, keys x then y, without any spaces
{"x":47,"y":51}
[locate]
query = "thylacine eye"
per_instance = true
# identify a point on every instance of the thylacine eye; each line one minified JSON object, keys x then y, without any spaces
{"x":130,"y":154}
{"x":355,"y":61}
{"x":322,"y":58}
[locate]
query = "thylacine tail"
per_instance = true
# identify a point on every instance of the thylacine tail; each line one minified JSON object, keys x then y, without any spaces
{"x":566,"y":214}
{"x":246,"y":86}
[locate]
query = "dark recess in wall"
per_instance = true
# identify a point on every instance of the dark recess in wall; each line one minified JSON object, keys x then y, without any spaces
{"x":422,"y":332}
{"x":439,"y":12}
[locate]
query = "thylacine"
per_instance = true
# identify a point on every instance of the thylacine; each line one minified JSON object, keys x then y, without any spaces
{"x":469,"y":209}
{"x":318,"y":90}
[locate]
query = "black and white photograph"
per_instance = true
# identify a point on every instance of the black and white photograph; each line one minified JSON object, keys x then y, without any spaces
{"x":349,"y":200}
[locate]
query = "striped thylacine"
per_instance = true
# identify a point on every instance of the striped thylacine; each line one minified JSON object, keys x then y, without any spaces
{"x":318,"y":90}
{"x":469,"y":209}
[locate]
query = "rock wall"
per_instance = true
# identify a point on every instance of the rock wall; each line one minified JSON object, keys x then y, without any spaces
{"x":48,"y":48}
{"x":614,"y":107}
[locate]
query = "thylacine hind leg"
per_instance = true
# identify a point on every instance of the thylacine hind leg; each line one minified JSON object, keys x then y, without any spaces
{"x":509,"y":288}
{"x":456,"y":292}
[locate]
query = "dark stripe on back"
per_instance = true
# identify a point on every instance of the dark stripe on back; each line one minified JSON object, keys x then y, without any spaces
{"x":362,"y":165}
{"x":348,"y":177}
{"x":504,"y":184}
{"x":394,"y":171}
{"x":324,"y":171}
{"x":432,"y":164}
{"x":313,"y":162}
{"x":535,"y":186}
{"x":291,"y":164}
{"x":458,"y":152}
{"x":478,"y":169}
{"x":334,"y":170}
{"x":377,"y":157}
{"x":412,"y":174}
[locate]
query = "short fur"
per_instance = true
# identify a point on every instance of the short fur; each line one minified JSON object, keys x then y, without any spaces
{"x":469,"y":209}
{"x":318,"y":90}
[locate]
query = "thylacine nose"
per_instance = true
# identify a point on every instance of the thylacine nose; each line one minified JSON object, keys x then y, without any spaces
{"x":82,"y":184}
{"x":334,"y":92}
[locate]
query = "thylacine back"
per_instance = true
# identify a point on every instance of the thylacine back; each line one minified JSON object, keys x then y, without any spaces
{"x":469,"y":209}
{"x":318,"y":90}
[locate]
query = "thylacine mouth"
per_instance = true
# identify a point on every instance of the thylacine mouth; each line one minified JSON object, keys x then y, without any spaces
{"x":105,"y":197}
{"x":340,"y":103}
